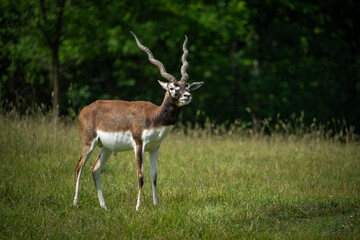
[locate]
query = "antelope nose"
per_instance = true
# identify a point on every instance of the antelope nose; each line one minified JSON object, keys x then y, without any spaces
{"x":187,"y":95}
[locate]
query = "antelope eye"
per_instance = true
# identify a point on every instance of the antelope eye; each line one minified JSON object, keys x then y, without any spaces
{"x":171,"y":89}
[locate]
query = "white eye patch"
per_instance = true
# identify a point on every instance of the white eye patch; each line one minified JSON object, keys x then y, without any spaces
{"x":173,"y":88}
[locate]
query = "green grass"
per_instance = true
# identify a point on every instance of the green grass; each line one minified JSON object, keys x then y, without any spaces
{"x":231,"y":187}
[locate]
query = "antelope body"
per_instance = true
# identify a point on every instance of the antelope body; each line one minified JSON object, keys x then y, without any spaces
{"x":116,"y":125}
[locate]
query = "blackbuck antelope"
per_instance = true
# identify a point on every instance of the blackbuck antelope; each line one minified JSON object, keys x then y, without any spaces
{"x":116,"y":125}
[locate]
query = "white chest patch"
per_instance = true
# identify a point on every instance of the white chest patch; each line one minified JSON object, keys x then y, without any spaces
{"x":116,"y":141}
{"x":152,"y":138}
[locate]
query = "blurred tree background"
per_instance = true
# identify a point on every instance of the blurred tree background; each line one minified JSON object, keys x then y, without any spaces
{"x":258,"y":59}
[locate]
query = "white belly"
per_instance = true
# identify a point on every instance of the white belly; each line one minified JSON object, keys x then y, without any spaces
{"x":123,"y":141}
{"x":152,"y":138}
{"x":116,"y":141}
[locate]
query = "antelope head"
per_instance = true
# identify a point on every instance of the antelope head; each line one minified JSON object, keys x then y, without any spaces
{"x":179,"y":91}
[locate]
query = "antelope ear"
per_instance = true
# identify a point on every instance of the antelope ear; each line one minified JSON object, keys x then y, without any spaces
{"x":164,"y":85}
{"x":195,"y":85}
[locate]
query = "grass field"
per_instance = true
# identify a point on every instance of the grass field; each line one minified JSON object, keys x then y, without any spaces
{"x":210,"y":187}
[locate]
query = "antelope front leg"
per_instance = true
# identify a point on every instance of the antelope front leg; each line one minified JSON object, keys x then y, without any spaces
{"x":153,"y":158}
{"x":139,"y":154}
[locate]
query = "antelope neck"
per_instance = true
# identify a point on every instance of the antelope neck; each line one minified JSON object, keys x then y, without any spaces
{"x":167,"y":114}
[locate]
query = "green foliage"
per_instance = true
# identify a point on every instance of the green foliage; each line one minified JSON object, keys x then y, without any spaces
{"x":210,"y":187}
{"x":271,"y":57}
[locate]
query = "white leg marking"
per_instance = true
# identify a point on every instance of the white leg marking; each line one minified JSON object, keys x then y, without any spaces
{"x":142,"y":164}
{"x":103,"y":157}
{"x":138,"y":200}
{"x":153,"y":158}
{"x":87,"y":156}
{"x":142,"y":170}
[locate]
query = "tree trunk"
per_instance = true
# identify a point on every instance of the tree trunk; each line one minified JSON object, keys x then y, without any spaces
{"x":351,"y":64}
{"x":235,"y":73}
{"x":53,"y":38}
{"x":56,"y":80}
